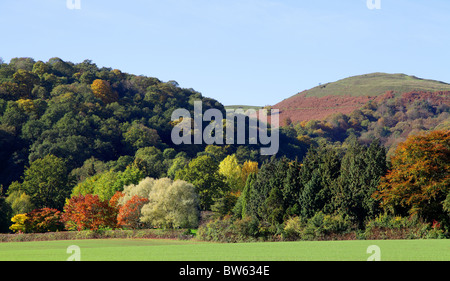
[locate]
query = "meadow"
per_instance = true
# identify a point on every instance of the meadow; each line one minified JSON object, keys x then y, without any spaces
{"x":192,"y":250}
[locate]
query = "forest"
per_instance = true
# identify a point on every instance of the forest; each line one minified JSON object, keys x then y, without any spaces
{"x":89,"y":148}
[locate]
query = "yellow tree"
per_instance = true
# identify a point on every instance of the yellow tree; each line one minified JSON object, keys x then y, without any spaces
{"x":102,"y":90}
{"x":248,"y":168}
{"x":231,"y":170}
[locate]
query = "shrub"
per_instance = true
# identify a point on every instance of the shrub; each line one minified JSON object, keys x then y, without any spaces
{"x":293,"y":228}
{"x":386,"y":226}
{"x":319,"y":227}
{"x":230,"y":231}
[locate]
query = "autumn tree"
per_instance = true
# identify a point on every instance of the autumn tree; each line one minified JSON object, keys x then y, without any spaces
{"x":419,"y":179}
{"x":130,"y":213}
{"x":231,"y":170}
{"x":88,"y":212}
{"x":102,"y":90}
{"x":44,"y":220}
{"x":247,"y":168}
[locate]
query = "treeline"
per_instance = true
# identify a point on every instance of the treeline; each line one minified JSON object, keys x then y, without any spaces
{"x":81,"y":111}
{"x":84,"y":147}
{"x":348,"y":192}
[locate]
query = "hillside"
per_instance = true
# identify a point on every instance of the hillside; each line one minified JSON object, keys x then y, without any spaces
{"x":349,"y":94}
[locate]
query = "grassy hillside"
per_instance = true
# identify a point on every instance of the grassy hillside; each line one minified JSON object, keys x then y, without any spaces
{"x":375,"y":84}
{"x":349,"y":94}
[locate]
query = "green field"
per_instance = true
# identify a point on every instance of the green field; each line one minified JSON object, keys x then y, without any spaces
{"x":175,"y":250}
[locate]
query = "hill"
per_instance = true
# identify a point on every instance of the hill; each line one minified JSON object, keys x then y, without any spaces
{"x":349,"y":94}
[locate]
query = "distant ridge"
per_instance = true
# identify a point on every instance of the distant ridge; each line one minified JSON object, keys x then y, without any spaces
{"x":375,"y":84}
{"x":351,"y":93}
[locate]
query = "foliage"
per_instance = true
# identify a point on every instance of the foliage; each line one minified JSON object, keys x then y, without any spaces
{"x":419,"y":180}
{"x":130,"y":213}
{"x":171,"y":204}
{"x":44,"y":220}
{"x":19,"y":223}
{"x":106,"y":184}
{"x":88,"y":212}
{"x":47,"y":182}
{"x":203,"y":173}
{"x":102,"y":90}
{"x":231,"y":170}
{"x":386,"y":226}
{"x":19,"y":202}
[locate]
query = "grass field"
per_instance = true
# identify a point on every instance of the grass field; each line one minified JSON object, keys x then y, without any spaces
{"x":175,"y":250}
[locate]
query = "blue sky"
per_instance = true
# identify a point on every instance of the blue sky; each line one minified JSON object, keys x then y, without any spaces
{"x":256,"y":52}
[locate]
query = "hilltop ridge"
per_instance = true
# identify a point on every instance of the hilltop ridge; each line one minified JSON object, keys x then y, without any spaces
{"x":351,"y":93}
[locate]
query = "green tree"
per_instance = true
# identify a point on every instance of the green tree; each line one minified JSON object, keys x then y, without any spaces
{"x":106,"y":184}
{"x":47,"y":182}
{"x":203,"y":173}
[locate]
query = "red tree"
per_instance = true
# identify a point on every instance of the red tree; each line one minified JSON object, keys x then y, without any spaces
{"x":130,"y":212}
{"x":88,"y":212}
{"x":44,"y":220}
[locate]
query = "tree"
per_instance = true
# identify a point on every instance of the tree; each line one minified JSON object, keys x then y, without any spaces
{"x":102,"y":90}
{"x":19,"y":223}
{"x":150,"y":161}
{"x":88,"y":212}
{"x":26,"y":80}
{"x":247,"y":168}
{"x":44,"y":220}
{"x":139,"y":136}
{"x":419,"y":180}
{"x":172,"y":204}
{"x":203,"y":173}
{"x":19,"y":201}
{"x":130,"y":213}
{"x":106,"y":184}
{"x":47,"y":182}
{"x":231,"y":170}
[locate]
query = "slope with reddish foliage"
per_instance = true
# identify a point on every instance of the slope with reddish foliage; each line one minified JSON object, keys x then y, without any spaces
{"x":302,"y":108}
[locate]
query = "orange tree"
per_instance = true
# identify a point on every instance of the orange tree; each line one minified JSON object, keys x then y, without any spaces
{"x":419,"y":180}
{"x":102,"y":90}
{"x":130,"y":213}
{"x":44,"y":220}
{"x":88,"y":212}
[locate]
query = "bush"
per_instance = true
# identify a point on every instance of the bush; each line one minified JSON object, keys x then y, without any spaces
{"x":319,"y":227}
{"x":229,"y":231}
{"x":293,"y":229}
{"x":322,"y":227}
{"x":395,"y":227}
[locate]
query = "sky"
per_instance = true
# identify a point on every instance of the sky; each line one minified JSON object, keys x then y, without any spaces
{"x":248,"y":52}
